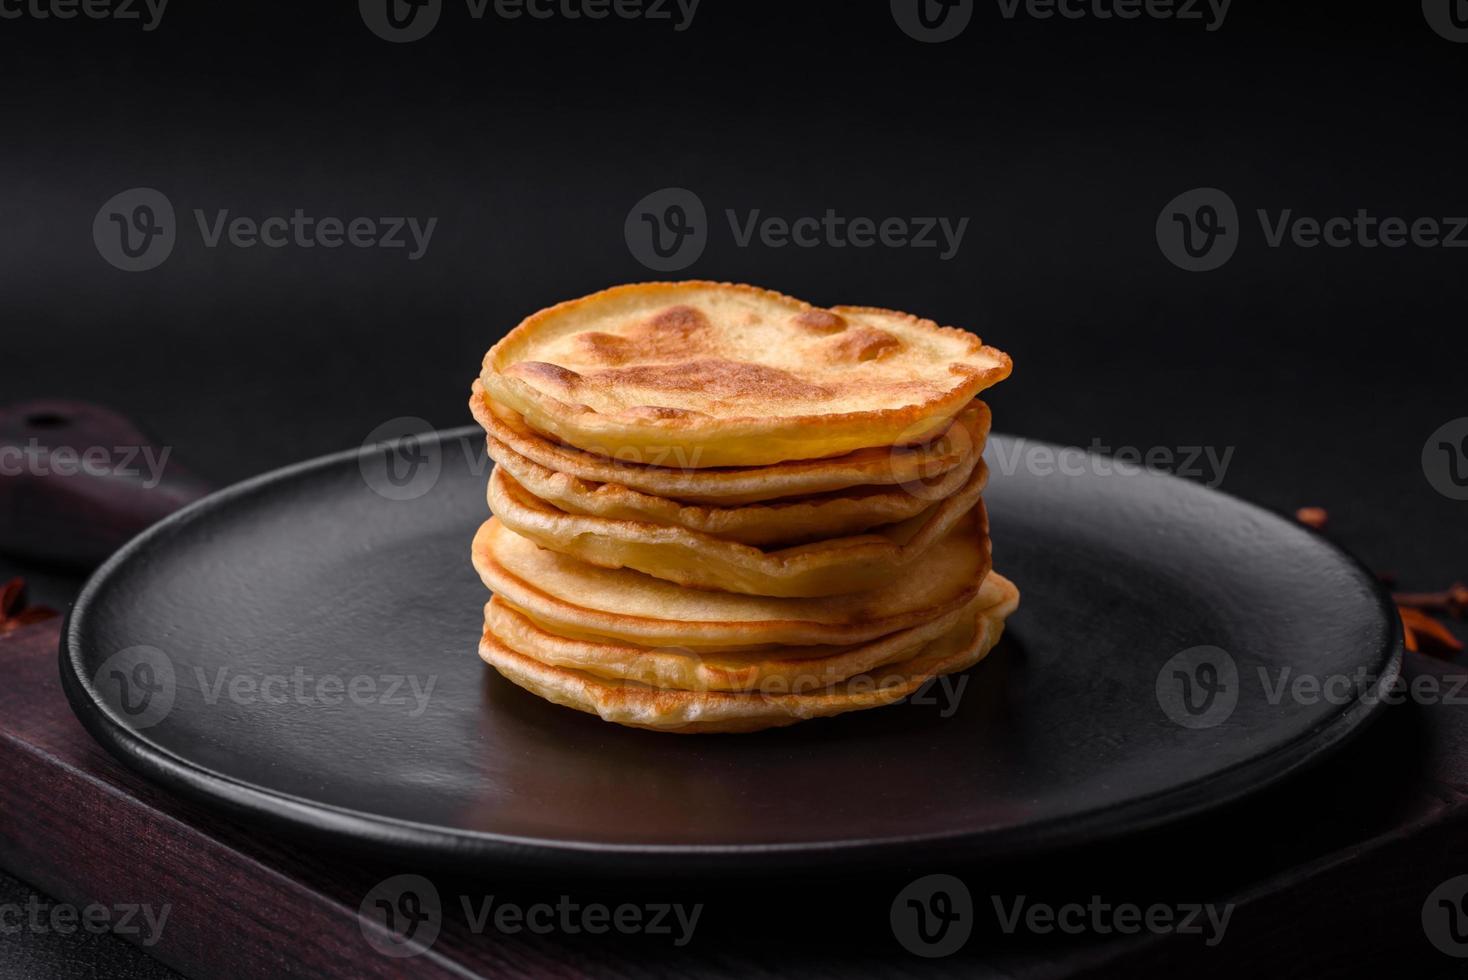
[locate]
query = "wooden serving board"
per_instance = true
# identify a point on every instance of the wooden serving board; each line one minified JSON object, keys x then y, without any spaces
{"x":1327,"y":874}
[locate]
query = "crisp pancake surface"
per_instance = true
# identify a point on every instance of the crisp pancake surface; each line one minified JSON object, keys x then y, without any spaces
{"x":909,"y":467}
{"x":573,"y":598}
{"x":642,"y":706}
{"x":731,"y":375}
{"x":854,"y":563}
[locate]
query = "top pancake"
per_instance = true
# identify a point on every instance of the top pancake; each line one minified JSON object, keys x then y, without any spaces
{"x":728,"y":375}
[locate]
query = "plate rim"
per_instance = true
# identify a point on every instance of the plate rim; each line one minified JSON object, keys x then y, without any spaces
{"x":394,"y":837}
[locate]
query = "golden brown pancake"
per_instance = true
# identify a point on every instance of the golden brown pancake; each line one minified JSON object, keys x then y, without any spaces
{"x":639,"y":705}
{"x":730,"y":375}
{"x":775,"y":669}
{"x":909,"y":466}
{"x":793,"y":520}
{"x":854,"y":563}
{"x":570,"y":597}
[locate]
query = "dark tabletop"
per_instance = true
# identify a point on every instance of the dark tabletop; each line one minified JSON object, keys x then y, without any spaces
{"x":1319,"y":373}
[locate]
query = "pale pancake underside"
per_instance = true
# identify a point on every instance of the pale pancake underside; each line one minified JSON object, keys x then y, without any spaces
{"x":854,"y":563}
{"x":731,"y":375}
{"x":639,"y":705}
{"x":573,"y":598}
{"x":666,"y":475}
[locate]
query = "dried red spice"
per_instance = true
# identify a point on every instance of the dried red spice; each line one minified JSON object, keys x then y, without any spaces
{"x":1423,"y":634}
{"x":1316,"y":517}
{"x":16,"y":610}
{"x":1452,"y":601}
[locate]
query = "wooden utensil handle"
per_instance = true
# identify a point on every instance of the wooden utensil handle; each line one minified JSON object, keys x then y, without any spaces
{"x":78,"y":480}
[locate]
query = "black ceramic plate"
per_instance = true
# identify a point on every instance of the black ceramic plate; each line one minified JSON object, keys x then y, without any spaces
{"x":1152,"y":672}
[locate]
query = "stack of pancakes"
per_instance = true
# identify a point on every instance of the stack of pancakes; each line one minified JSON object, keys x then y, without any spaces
{"x":719,"y":509}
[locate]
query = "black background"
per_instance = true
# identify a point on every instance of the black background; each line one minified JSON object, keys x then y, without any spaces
{"x":1324,"y":369}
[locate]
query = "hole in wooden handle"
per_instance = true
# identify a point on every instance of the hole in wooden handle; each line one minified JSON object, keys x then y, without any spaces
{"x":46,"y":420}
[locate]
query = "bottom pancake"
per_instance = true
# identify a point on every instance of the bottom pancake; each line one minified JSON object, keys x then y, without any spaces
{"x":640,"y":705}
